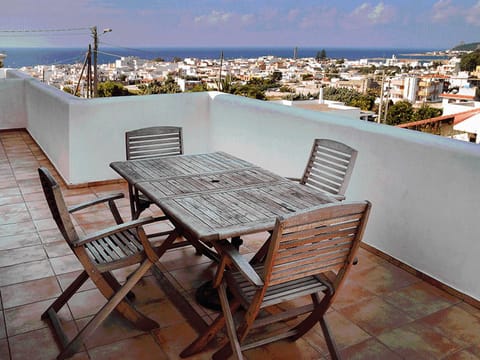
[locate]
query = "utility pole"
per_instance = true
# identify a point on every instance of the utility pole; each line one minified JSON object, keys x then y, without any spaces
{"x":95,"y":58}
{"x":386,"y":104}
{"x":220,"y":87}
{"x":87,"y":56}
{"x":89,"y":73}
{"x":379,"y":118}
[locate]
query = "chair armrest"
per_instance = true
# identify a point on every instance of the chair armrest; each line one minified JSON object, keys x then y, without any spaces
{"x":293,"y":179}
{"x":99,"y":200}
{"x":112,"y":230}
{"x":240,"y":263}
{"x":337,"y":197}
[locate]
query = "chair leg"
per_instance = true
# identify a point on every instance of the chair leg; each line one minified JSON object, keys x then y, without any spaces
{"x":238,"y":335}
{"x":205,"y":338}
{"x":331,"y":344}
{"x":114,"y":301}
{"x":262,"y":252}
{"x":230,"y":325}
{"x":51,"y":312}
{"x":124,"y":308}
{"x":318,"y":315}
{"x":113,"y":282}
{"x":315,"y":316}
{"x":67,"y":294}
{"x":132,"y":201}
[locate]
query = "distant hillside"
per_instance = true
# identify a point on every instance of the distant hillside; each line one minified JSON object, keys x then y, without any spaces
{"x":467,"y":47}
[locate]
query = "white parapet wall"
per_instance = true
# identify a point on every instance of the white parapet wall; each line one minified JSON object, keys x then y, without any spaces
{"x":422,"y":187}
{"x":13,"y":112}
{"x":82,"y":137}
{"x":98,"y":126}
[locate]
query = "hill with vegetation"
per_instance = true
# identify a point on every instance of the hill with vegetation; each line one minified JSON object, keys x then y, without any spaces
{"x":467,"y":47}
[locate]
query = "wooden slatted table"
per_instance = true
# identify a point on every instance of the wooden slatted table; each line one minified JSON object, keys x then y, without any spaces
{"x":216,"y":196}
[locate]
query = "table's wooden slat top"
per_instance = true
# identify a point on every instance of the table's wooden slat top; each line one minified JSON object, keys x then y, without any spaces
{"x":184,"y":185}
{"x":216,"y":196}
{"x":135,"y":171}
{"x":234,"y":212}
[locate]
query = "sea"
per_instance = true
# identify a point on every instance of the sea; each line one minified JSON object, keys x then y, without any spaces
{"x":20,"y":57}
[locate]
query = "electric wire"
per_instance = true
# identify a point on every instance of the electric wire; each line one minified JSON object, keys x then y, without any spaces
{"x":129,"y":48}
{"x":44,"y":30}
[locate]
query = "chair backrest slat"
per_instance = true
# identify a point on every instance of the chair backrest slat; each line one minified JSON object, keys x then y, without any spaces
{"x":330,"y":166}
{"x":316,"y":241}
{"x":56,"y":203}
{"x":152,"y":142}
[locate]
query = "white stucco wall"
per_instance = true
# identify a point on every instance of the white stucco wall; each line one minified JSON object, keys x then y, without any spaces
{"x":82,"y":137}
{"x":12,"y":104}
{"x":98,"y":126}
{"x":48,"y":111}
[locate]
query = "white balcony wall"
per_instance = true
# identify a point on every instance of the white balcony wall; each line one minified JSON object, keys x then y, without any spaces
{"x":12,"y":103}
{"x":98,"y":126}
{"x":425,"y":206}
{"x":45,"y":113}
{"x":82,"y":137}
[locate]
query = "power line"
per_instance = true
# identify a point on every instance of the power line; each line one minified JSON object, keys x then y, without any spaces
{"x":43,"y":30}
{"x":128,"y":48}
{"x":67,"y":61}
{"x":27,"y":35}
{"x":110,"y":54}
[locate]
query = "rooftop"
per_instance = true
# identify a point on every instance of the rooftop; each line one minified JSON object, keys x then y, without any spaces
{"x":384,"y":312}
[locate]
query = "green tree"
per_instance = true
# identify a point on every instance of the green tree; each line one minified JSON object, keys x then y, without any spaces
{"x":110,"y":88}
{"x":321,"y":55}
{"x":276,"y":76}
{"x":226,"y":84}
{"x":169,"y":86}
{"x":350,"y":97}
{"x":399,"y":113}
{"x":199,"y":87}
{"x":332,"y":69}
{"x":470,"y":61}
{"x":70,"y":90}
{"x":251,"y":91}
{"x":426,"y":112}
{"x":286,"y":88}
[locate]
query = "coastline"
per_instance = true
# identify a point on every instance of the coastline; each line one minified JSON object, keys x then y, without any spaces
{"x":20,"y":57}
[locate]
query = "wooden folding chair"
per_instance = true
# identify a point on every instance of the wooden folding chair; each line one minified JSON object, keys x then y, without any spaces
{"x":150,"y":143}
{"x":99,"y":253}
{"x":310,"y":254}
{"x":330,"y":167}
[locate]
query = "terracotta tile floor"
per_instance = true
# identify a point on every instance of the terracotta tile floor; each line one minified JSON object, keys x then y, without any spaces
{"x":382,"y":313}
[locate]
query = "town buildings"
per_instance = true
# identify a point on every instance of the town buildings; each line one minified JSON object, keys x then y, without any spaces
{"x":438,"y":83}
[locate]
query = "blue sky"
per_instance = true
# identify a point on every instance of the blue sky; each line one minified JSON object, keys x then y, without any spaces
{"x":336,"y":23}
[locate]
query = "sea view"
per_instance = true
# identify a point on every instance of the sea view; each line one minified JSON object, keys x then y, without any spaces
{"x":19,"y":57}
